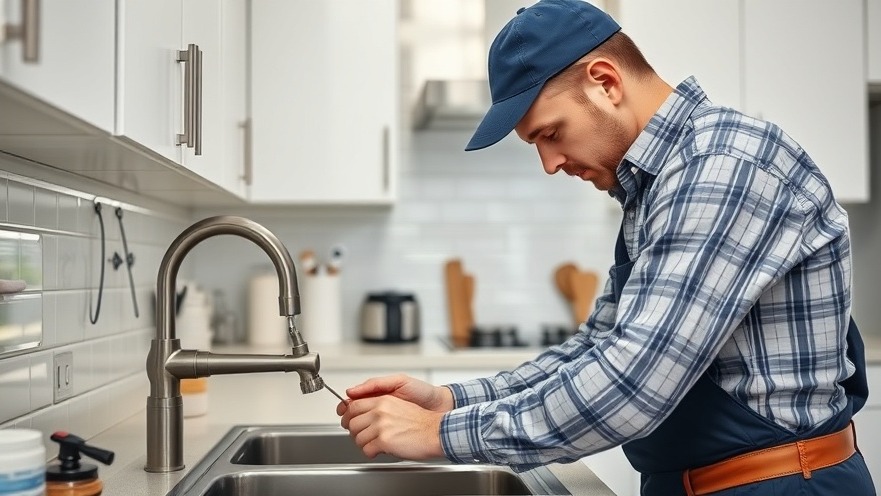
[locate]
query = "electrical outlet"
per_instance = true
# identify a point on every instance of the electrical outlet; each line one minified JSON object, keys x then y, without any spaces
{"x":63,"y":376}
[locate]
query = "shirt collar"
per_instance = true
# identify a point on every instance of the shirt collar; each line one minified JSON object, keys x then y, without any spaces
{"x":657,"y":141}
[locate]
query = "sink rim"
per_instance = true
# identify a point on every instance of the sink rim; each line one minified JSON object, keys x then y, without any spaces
{"x":217,"y":462}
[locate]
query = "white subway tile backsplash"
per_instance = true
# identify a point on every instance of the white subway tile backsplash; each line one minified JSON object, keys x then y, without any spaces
{"x":42,"y":380}
{"x":71,"y":316}
{"x":81,"y":422}
{"x":15,"y":379}
{"x":67,"y":212}
{"x":73,"y":262}
{"x":49,"y":319}
{"x":46,"y":208}
{"x":4,"y":193}
{"x":49,"y":420}
{"x":21,"y":203}
{"x":50,"y":261}
{"x":83,"y":377}
{"x":102,"y":363}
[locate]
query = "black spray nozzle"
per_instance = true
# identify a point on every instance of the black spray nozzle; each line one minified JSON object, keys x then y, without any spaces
{"x":72,"y":446}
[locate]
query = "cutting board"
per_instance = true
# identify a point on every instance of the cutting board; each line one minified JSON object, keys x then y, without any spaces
{"x":460,"y":289}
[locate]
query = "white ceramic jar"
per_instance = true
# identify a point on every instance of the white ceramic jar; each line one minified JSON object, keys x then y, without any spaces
{"x":22,"y":462}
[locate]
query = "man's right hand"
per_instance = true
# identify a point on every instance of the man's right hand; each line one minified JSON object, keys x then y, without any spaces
{"x":423,"y":394}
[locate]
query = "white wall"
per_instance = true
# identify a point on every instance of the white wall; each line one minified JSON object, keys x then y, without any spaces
{"x":109,"y":382}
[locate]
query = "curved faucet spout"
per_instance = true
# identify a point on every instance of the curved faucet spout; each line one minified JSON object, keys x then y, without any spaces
{"x":167,"y":364}
{"x":289,"y":294}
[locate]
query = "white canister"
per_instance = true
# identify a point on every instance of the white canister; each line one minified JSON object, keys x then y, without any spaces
{"x":321,"y":308}
{"x":22,"y":462}
{"x":265,"y":326}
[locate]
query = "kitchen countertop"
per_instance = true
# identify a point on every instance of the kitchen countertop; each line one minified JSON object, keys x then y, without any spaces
{"x":233,"y":401}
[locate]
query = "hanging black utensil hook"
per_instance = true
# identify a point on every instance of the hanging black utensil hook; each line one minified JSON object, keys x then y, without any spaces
{"x":94,"y":318}
{"x":129,"y":261}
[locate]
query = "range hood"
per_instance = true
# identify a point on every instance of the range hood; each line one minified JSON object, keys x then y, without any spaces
{"x":451,"y":104}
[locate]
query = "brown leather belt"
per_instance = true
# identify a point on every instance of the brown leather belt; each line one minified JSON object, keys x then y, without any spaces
{"x":787,"y":459}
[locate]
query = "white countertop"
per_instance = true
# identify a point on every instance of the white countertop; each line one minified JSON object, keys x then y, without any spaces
{"x":274,"y":398}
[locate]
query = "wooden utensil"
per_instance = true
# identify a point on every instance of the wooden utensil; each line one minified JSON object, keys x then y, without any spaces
{"x":562,"y":277}
{"x":584,"y":290}
{"x":459,"y":298}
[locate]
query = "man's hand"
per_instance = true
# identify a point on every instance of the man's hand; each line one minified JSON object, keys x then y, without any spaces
{"x":420,"y":393}
{"x":398,"y":427}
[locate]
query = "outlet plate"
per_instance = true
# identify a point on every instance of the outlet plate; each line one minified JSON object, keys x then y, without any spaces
{"x":63,"y":375}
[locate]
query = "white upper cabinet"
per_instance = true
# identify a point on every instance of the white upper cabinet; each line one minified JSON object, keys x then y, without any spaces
{"x":149,"y":77}
{"x":234,"y":122}
{"x":696,"y":38}
{"x":873,"y":37}
{"x":805,"y":69}
{"x":798,"y":63}
{"x":324,"y":101}
{"x":68,"y":59}
{"x":170,"y":83}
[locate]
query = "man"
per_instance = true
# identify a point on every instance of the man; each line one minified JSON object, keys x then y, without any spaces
{"x":721,"y":354}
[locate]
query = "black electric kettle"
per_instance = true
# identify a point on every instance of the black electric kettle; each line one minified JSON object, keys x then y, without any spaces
{"x":390,"y":317}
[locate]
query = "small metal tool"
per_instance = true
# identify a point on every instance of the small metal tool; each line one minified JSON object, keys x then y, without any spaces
{"x":334,"y":392}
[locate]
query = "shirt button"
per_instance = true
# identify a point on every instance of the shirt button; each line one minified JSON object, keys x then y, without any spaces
{"x":634,"y":169}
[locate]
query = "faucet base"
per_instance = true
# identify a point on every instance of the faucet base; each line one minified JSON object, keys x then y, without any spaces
{"x":165,"y":420}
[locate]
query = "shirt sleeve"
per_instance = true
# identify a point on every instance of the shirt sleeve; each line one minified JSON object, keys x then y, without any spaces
{"x":529,"y":374}
{"x":718,"y":232}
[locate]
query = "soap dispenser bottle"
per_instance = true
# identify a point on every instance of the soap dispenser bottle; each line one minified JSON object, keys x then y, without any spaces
{"x":69,"y":477}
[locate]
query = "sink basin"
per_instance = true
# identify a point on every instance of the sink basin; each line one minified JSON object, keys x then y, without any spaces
{"x":323,"y":459}
{"x":409,"y":481}
{"x":272,"y":447}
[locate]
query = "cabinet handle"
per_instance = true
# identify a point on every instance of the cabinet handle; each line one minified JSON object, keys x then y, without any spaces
{"x":28,"y":31}
{"x":192,"y":135}
{"x":385,"y":159}
{"x":188,"y":57}
{"x":198,"y":111}
{"x":248,"y":174}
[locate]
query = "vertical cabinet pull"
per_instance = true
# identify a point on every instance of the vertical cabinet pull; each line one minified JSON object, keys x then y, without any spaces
{"x":248,"y":175}
{"x":385,"y":159}
{"x":28,"y":31}
{"x":192,"y":135}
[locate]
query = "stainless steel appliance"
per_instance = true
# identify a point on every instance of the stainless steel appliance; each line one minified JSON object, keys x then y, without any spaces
{"x":390,"y":317}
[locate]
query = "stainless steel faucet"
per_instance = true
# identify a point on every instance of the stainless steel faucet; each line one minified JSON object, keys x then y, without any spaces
{"x":167,"y":363}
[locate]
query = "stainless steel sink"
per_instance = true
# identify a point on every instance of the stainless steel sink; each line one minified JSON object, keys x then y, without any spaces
{"x":313,"y":459}
{"x":269,"y":446}
{"x":386,"y":481}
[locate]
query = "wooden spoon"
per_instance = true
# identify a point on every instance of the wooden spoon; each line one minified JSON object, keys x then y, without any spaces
{"x":563,"y":277}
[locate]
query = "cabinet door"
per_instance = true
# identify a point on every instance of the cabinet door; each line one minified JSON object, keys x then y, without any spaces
{"x":234,"y":95}
{"x":149,"y":78}
{"x":324,"y":101}
{"x":812,"y":85}
{"x":697,"y":38}
{"x":873,"y":38}
{"x":75,"y":64}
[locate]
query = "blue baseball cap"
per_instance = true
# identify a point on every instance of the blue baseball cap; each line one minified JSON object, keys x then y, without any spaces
{"x":533,"y":47}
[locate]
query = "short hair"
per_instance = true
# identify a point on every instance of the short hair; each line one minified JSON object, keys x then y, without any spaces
{"x":619,"y":48}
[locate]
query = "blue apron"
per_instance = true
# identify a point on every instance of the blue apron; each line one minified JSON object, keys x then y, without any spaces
{"x":709,"y":425}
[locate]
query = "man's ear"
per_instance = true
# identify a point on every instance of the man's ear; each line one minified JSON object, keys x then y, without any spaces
{"x":605,"y":77}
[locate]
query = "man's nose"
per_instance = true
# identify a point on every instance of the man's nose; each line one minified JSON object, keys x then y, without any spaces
{"x":551,"y":160}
